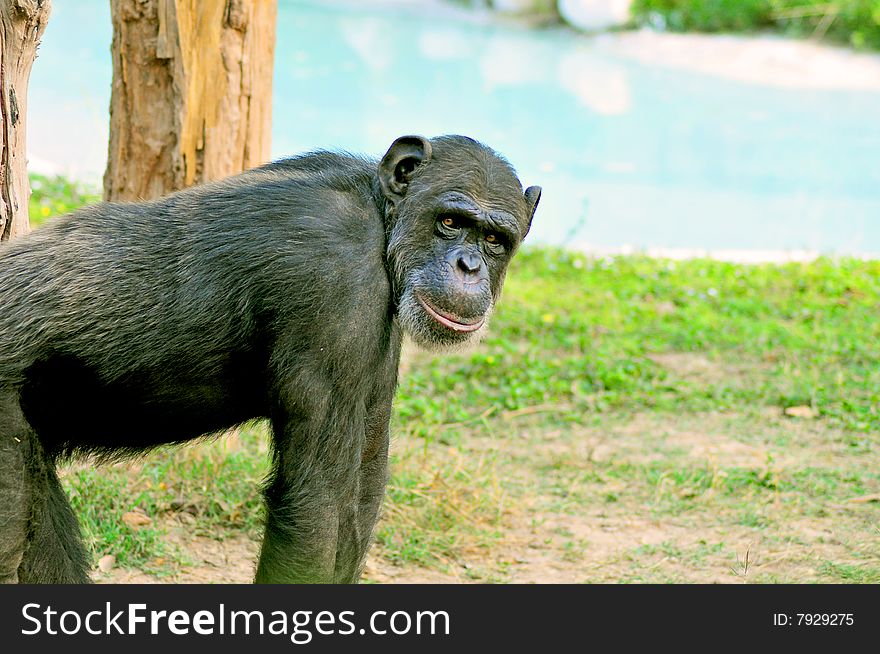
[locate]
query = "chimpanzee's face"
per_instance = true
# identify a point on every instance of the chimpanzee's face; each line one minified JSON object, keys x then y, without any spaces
{"x":458,"y":216}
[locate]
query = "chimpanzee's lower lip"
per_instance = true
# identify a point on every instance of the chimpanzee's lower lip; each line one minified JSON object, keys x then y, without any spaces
{"x":448,"y":321}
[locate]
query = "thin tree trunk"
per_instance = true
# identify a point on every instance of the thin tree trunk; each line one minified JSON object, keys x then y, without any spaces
{"x":22,"y":23}
{"x":192,"y":93}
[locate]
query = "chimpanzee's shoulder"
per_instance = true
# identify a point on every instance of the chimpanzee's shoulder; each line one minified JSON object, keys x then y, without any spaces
{"x":297,"y":183}
{"x":321,"y":166}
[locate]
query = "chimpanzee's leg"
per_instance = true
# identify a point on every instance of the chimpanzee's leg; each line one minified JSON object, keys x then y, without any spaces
{"x":55,"y":554}
{"x":16,"y":485}
{"x":356,"y":533}
{"x":40,"y":539}
{"x":313,"y":487}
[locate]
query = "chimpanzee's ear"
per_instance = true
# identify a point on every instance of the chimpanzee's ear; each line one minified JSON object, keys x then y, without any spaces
{"x":405,"y":155}
{"x":533,"y":196}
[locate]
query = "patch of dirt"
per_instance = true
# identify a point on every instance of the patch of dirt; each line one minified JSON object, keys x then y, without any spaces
{"x":714,"y":447}
{"x":597,"y":541}
{"x":380,"y":571}
{"x":698,"y":369}
{"x":703,"y":438}
{"x":606,"y":547}
{"x":230,"y":561}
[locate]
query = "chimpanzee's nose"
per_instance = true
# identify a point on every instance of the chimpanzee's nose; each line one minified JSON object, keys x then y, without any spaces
{"x":469,"y":262}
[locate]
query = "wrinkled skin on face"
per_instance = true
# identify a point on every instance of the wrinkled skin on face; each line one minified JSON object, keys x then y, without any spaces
{"x":456,"y":214}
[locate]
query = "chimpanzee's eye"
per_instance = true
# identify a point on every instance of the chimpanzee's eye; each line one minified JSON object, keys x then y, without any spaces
{"x":491,"y":238}
{"x":448,"y":225}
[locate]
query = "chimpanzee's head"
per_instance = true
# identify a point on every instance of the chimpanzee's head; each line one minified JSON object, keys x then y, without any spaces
{"x":456,"y":213}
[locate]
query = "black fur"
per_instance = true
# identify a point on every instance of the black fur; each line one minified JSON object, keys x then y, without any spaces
{"x":283,"y":293}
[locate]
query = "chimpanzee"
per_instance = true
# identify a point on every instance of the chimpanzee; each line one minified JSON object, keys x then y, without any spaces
{"x":282,"y":292}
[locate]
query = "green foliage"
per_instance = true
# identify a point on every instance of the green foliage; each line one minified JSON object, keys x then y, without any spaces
{"x":53,"y":196}
{"x":706,"y":15}
{"x":856,"y":22}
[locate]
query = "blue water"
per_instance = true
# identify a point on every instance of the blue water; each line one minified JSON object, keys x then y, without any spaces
{"x":627,"y":153}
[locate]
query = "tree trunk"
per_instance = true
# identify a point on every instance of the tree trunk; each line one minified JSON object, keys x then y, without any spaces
{"x":192,"y":93}
{"x":22,"y":23}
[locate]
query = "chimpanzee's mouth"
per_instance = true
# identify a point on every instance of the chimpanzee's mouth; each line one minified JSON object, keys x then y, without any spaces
{"x":447,"y":320}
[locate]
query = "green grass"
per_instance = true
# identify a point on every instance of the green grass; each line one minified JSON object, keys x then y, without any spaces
{"x":624,"y":421}
{"x":578,"y":333}
{"x":100,"y":501}
{"x":211,"y":490}
{"x":856,"y":22}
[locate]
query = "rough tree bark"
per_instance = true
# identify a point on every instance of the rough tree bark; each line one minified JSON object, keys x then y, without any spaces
{"x":192,"y":93}
{"x":22,"y":23}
